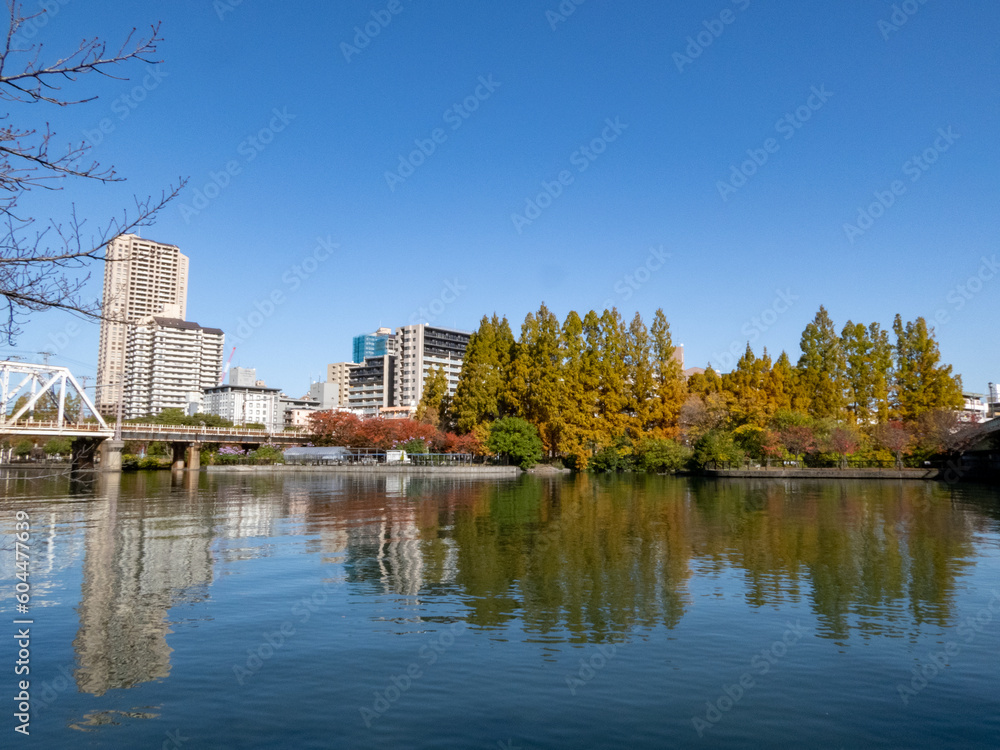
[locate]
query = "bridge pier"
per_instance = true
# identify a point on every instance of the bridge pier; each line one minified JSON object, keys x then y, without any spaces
{"x":194,"y":457}
{"x":178,"y":463}
{"x":83,"y":453}
{"x":186,"y":456}
{"x":111,"y":455}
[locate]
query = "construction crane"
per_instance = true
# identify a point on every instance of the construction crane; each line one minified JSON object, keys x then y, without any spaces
{"x":222,"y":375}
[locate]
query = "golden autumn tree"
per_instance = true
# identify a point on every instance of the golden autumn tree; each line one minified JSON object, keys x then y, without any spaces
{"x":670,"y":385}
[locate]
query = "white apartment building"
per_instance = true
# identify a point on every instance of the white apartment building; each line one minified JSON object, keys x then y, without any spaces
{"x":246,"y":404}
{"x":169,"y":362}
{"x":420,"y":349}
{"x":141,"y":278}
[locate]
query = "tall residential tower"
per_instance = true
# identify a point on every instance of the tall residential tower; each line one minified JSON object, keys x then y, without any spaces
{"x":141,"y":278}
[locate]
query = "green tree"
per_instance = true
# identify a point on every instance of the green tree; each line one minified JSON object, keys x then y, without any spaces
{"x":821,"y":367}
{"x":517,"y":439}
{"x":922,"y":382}
{"x":479,"y":396}
{"x":747,"y":384}
{"x":868,"y":365}
{"x":430,"y":410}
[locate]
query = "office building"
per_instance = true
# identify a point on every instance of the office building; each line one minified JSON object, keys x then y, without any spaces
{"x":246,"y":404}
{"x":376,"y":344}
{"x":420,"y":349}
{"x":327,"y":394}
{"x":141,"y":278}
{"x":242,"y":376}
{"x":168,"y":364}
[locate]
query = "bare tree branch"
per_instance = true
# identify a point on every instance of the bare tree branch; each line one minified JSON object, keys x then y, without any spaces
{"x":37,"y":267}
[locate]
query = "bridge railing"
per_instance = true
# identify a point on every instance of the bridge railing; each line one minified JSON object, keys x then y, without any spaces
{"x":29,"y":424}
{"x":221,"y":431}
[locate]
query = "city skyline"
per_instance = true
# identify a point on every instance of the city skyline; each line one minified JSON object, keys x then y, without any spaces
{"x":738,"y":197}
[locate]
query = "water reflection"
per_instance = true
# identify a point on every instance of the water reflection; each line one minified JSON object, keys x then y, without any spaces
{"x":144,"y":554}
{"x":580,"y":560}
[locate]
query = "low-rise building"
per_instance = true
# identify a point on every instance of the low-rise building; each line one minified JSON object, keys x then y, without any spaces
{"x":246,"y":404}
{"x":295,"y":412}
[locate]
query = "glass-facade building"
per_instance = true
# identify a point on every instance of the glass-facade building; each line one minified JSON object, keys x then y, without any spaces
{"x":372,"y":345}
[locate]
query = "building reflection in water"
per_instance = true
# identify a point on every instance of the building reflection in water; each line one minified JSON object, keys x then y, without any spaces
{"x":143,"y":556}
{"x":587,"y":559}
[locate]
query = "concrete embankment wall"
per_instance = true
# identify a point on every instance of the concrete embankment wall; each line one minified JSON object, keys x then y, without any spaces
{"x":826,"y":473}
{"x":423,"y":471}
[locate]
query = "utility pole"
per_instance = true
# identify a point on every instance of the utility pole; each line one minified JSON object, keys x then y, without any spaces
{"x":45,"y":357}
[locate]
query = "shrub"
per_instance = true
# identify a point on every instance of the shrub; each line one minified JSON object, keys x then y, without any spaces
{"x":717,"y":447}
{"x":416,"y":445}
{"x":662,"y":456}
{"x":517,"y":439}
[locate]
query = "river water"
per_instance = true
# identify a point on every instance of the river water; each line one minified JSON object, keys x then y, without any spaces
{"x":310,"y":611}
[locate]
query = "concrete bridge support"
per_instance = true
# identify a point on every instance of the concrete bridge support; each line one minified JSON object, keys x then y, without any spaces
{"x":111,"y":455}
{"x":84,"y":452}
{"x":194,"y":457}
{"x":186,"y":456}
{"x":178,"y":463}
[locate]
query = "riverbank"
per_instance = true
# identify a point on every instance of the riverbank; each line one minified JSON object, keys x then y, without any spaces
{"x":803,"y":473}
{"x":377,"y":470}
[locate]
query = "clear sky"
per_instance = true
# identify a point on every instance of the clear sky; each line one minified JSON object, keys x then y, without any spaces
{"x":595,"y":157}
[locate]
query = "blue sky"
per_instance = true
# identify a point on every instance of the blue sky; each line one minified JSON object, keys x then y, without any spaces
{"x":634,"y":116}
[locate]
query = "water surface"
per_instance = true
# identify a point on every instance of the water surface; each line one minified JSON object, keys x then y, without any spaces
{"x":305,"y":611}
